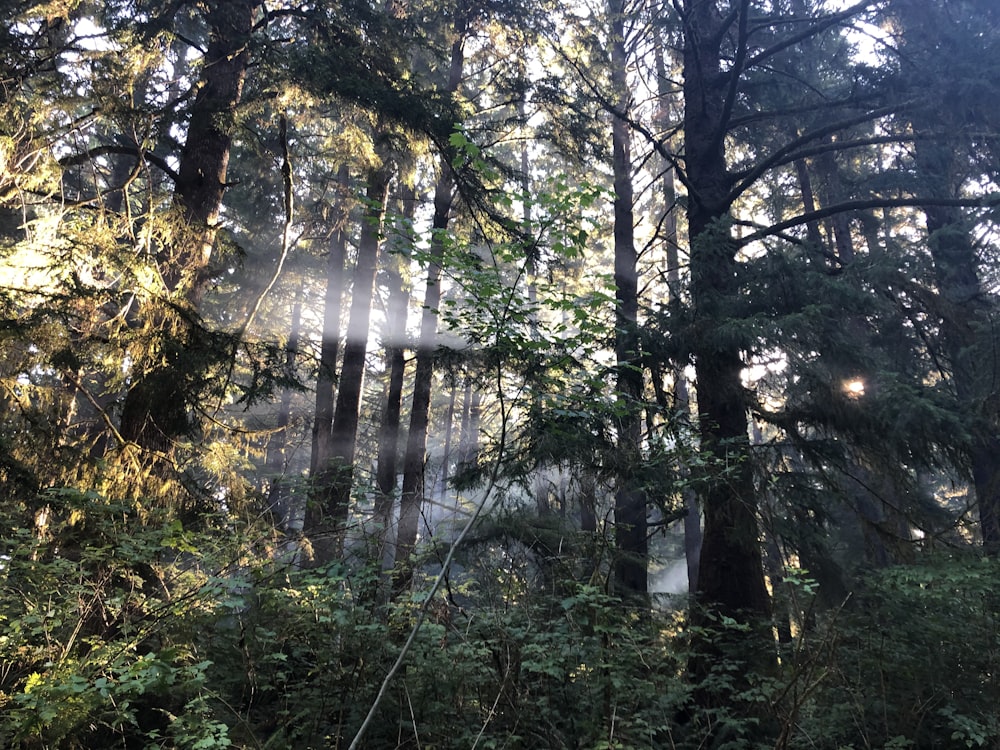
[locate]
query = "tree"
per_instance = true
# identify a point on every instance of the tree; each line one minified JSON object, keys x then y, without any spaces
{"x":156,"y":409}
{"x":394,"y":340}
{"x":945,"y":160}
{"x":335,"y":479}
{"x":731,"y":574}
{"x":814,"y":239}
{"x":630,"y":500}
{"x":416,"y":436}
{"x":330,"y":334}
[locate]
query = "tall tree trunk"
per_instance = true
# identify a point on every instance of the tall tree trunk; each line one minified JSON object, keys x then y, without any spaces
{"x":808,"y":202}
{"x":333,"y":295}
{"x":682,"y":398}
{"x":731,"y":571}
{"x":201,"y":178}
{"x":449,"y":423}
{"x":416,"y":438}
{"x":943,"y":164}
{"x":631,"y":576}
{"x":731,"y":576}
{"x":395,"y":347}
{"x":839,"y":224}
{"x":156,"y":406}
{"x":333,"y":481}
{"x":468,"y":435}
{"x":963,"y":309}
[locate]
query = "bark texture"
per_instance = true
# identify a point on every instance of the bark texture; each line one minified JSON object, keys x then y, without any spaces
{"x":326,"y":378}
{"x":334,"y":479}
{"x":416,"y":439}
{"x":413,"y":489}
{"x":394,"y":344}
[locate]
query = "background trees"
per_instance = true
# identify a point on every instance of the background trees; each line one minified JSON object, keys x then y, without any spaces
{"x":210,"y":213}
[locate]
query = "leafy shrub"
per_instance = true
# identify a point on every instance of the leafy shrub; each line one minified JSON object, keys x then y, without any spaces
{"x":101,"y":610}
{"x":914,"y":661}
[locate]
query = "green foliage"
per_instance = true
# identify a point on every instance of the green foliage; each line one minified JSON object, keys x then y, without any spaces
{"x":118,"y":625}
{"x":912,"y":661}
{"x":101,"y":609}
{"x":549,"y":672}
{"x":129,"y":617}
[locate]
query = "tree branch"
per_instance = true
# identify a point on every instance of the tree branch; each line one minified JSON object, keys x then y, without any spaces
{"x":735,"y":73}
{"x":789,"y":153}
{"x":821,"y":25}
{"x":989,"y":201}
{"x":139,"y":153}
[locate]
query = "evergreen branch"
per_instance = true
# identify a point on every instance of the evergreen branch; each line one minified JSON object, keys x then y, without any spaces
{"x":735,"y":75}
{"x":139,"y":153}
{"x":816,"y":28}
{"x":728,"y":21}
{"x":286,"y":245}
{"x":286,"y":234}
{"x":789,"y":152}
{"x":989,"y":201}
{"x":271,"y":14}
{"x":657,"y":143}
{"x":789,"y":112}
{"x":835,"y":146}
{"x":105,"y":417}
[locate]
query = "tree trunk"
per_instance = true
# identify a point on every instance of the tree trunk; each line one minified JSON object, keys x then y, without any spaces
{"x":808,"y":202}
{"x":326,"y":378}
{"x":631,"y":577}
{"x":682,"y":399}
{"x":333,"y":481}
{"x":276,"y":458}
{"x":395,"y":346}
{"x":731,"y":575}
{"x":963,"y":310}
{"x":468,"y":435}
{"x":449,"y":423}
{"x":943,"y":164}
{"x":156,"y":406}
{"x":201,"y":178}
{"x":416,"y":439}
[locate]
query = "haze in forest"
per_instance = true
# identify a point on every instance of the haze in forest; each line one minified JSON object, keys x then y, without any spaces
{"x":525,"y":375}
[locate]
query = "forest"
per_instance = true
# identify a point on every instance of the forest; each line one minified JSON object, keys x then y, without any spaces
{"x":514,"y":374}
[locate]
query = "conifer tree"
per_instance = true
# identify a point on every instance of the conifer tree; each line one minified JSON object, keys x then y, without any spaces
{"x":630,"y":501}
{"x":413,"y":489}
{"x":156,"y":408}
{"x":334,"y":480}
{"x":945,"y":49}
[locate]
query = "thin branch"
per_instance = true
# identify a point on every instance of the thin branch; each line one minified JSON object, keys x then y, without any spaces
{"x":442,"y":576}
{"x":139,"y":153}
{"x":429,"y":598}
{"x":105,"y":417}
{"x":822,"y":25}
{"x":286,"y":245}
{"x":837,"y":146}
{"x":735,"y":75}
{"x":789,"y":152}
{"x":989,"y":201}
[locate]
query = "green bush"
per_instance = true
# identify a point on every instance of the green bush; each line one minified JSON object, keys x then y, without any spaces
{"x":914,"y":661}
